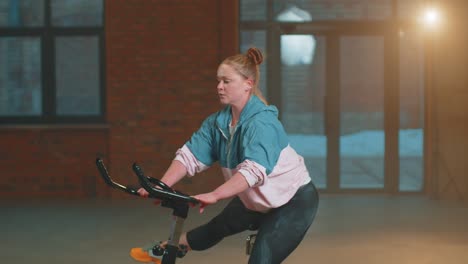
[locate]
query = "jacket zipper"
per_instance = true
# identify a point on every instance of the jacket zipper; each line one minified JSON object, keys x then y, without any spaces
{"x":228,"y":147}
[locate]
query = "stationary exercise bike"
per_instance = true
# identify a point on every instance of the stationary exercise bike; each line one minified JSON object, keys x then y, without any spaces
{"x":170,"y":198}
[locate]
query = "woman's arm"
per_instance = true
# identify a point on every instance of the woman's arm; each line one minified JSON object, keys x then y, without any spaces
{"x":235,"y":185}
{"x":174,"y":173}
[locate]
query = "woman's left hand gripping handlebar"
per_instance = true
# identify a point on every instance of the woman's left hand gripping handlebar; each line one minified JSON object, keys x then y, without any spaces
{"x":206,"y":199}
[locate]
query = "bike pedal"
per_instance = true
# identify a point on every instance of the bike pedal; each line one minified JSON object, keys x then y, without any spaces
{"x":182,"y":251}
{"x":158,"y":250}
{"x":141,"y":255}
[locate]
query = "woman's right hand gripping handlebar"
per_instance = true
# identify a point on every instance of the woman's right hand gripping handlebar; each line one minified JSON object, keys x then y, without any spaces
{"x":174,"y":173}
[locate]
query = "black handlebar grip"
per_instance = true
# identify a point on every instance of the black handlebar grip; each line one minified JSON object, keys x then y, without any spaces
{"x":108,"y":180}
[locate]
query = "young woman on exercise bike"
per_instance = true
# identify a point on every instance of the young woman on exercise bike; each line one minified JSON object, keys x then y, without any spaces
{"x":268,"y":181}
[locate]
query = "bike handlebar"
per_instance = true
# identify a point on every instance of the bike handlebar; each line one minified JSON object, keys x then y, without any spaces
{"x":166,"y":193}
{"x":108,"y":180}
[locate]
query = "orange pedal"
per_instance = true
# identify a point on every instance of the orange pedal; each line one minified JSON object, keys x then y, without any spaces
{"x":140,"y":255}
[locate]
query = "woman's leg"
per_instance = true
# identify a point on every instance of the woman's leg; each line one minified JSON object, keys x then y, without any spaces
{"x":283,"y":228}
{"x":233,"y":219}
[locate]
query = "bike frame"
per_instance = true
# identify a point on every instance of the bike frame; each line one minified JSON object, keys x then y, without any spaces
{"x":169,"y":197}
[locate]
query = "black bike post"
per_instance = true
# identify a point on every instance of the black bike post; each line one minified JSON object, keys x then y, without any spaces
{"x":180,"y":208}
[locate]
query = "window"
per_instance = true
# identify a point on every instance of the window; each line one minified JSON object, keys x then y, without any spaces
{"x":332,"y":69}
{"x":51,"y":61}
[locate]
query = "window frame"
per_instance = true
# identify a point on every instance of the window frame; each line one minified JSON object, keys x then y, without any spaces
{"x":47,"y":34}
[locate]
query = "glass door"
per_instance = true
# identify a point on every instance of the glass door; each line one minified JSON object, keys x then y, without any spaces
{"x":348,"y":80}
{"x":303,"y":89}
{"x":332,"y":104}
{"x":332,"y":107}
{"x":362,"y":134}
{"x":411,"y":112}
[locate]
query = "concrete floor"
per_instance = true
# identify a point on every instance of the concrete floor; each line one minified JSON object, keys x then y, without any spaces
{"x":360,"y":229}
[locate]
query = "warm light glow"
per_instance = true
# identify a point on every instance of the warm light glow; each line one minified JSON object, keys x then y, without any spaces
{"x":431,"y":17}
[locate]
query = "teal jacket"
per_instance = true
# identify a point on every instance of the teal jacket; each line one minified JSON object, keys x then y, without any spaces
{"x":258,"y":136}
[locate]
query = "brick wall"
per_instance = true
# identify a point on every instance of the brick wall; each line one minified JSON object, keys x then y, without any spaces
{"x":162,"y":58}
{"x":161,"y":61}
{"x":50,"y":162}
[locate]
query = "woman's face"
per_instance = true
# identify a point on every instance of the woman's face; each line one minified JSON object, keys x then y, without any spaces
{"x":233,"y":88}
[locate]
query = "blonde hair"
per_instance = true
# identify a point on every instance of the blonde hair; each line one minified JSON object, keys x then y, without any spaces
{"x":247,"y":65}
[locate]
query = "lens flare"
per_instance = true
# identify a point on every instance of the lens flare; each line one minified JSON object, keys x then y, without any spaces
{"x":431,"y":17}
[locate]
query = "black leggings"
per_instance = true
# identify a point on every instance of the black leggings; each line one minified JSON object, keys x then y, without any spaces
{"x":279,"y":231}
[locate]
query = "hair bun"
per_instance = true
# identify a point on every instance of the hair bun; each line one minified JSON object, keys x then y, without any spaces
{"x":255,"y":55}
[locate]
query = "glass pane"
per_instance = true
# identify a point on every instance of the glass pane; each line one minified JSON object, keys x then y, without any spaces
{"x":296,"y":10}
{"x":411,"y":112}
{"x":256,"y":39}
{"x":68,"y":13}
{"x":362,"y":138}
{"x":410,"y":9}
{"x":21,"y":13}
{"x":77,"y":76}
{"x":303,"y":91}
{"x":20,"y":76}
{"x":251,"y":10}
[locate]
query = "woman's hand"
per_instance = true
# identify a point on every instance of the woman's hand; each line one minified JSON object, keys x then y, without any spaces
{"x":205,"y":200}
{"x":143,"y":193}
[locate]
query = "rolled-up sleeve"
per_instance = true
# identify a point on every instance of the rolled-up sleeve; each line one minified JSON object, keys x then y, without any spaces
{"x":254,"y":173}
{"x":191,"y":163}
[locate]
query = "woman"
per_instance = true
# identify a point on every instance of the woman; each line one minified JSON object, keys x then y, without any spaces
{"x":270,"y":184}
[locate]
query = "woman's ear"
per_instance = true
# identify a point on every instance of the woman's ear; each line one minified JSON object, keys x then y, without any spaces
{"x":249,"y":84}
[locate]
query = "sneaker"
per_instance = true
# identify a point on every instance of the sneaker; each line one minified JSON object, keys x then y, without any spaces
{"x":141,"y":255}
